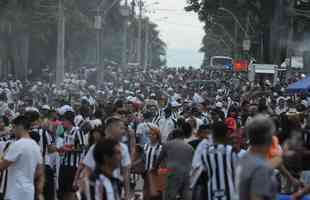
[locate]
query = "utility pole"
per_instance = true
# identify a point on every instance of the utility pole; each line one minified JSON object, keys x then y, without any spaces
{"x":125,"y":13}
{"x":60,"y":63}
{"x":131,"y":37}
{"x":150,"y":60}
{"x":139,"y":42}
{"x":98,"y":27}
{"x":102,"y":12}
{"x":247,"y":41}
{"x":289,"y":46}
{"x":146,"y":45}
{"x":247,"y":28}
{"x":236,"y":41}
{"x":262,"y":57}
{"x":289,"y":42}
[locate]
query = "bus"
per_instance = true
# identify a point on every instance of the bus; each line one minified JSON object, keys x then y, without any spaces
{"x":221,"y":62}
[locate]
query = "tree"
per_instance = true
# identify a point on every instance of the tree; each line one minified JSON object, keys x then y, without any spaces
{"x":265,"y":18}
{"x":157,"y":47}
{"x":28,"y":35}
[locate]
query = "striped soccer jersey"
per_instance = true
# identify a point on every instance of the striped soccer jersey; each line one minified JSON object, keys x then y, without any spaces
{"x":151,"y":155}
{"x":44,"y":139}
{"x":76,"y":139}
{"x":219,"y":161}
{"x":101,"y":187}
{"x":4,"y":173}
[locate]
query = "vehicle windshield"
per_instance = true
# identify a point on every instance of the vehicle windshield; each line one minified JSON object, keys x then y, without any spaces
{"x":221,"y":61}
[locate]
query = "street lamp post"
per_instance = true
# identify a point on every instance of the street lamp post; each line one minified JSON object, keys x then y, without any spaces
{"x":60,"y":65}
{"x":140,"y":4}
{"x":226,"y":32}
{"x":146,"y":40}
{"x":246,"y":42}
{"x":236,"y":20}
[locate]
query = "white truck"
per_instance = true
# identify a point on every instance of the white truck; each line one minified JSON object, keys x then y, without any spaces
{"x":259,"y":72}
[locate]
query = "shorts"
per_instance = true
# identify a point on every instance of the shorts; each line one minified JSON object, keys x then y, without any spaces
{"x":66,"y":178}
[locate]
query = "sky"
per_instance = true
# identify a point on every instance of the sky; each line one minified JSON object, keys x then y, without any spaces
{"x":181,"y":31}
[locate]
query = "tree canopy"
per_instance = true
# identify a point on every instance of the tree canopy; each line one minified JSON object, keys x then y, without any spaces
{"x":264,"y":20}
{"x":28,"y":35}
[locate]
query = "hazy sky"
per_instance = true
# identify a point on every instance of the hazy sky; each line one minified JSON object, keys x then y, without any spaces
{"x":181,"y":31}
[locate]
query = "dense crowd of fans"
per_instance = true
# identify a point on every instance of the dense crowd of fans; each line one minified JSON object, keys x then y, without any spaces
{"x":186,"y":133}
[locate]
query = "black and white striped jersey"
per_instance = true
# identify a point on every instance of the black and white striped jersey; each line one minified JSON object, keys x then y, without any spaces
{"x":158,"y":116}
{"x":44,"y":139}
{"x":101,"y":187}
{"x":76,"y":139}
{"x":151,"y":155}
{"x":6,"y":137}
{"x":161,"y":115}
{"x":175,"y":116}
{"x":4,"y":173}
{"x":205,"y":118}
{"x":219,"y":161}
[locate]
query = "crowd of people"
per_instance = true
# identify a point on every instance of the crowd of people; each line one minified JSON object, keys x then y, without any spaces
{"x":186,"y":134}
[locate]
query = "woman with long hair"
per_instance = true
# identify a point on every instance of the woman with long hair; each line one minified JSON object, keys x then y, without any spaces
{"x":152,"y":189}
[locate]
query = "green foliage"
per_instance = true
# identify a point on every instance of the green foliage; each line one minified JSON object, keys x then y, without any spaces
{"x":34,"y":24}
{"x":157,"y":47}
{"x":261,"y":15}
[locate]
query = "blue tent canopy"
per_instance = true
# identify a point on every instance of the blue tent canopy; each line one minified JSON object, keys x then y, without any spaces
{"x":300,"y":86}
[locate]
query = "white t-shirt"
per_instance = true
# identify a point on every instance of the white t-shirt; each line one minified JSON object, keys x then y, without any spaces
{"x":25,"y":155}
{"x":166,"y":126}
{"x":89,"y":160}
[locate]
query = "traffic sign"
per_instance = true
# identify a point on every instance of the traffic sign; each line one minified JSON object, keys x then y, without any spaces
{"x":98,"y":22}
{"x":246,"y":45}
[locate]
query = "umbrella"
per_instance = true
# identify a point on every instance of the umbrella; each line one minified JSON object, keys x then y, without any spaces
{"x":300,"y":86}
